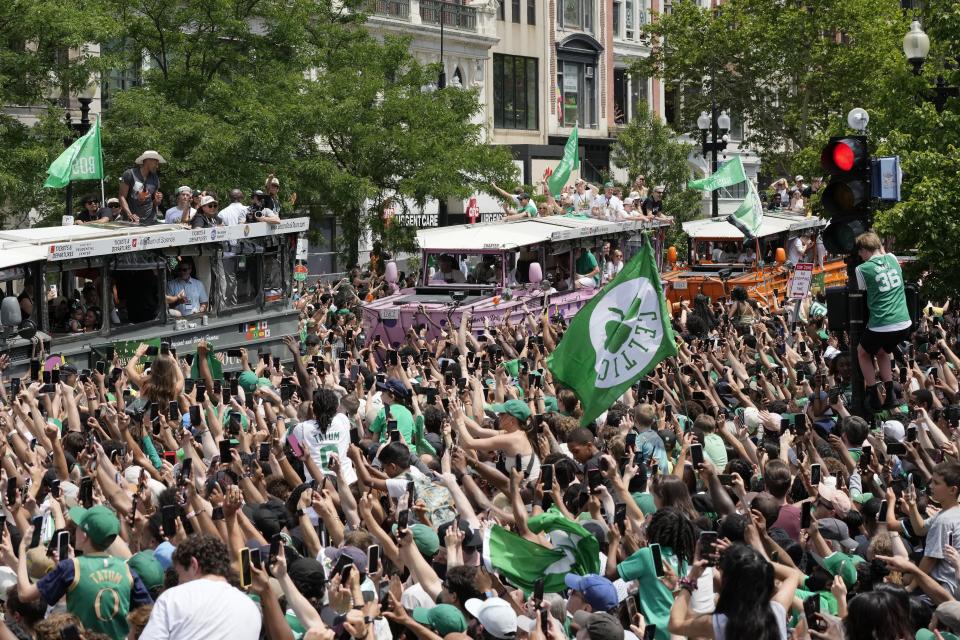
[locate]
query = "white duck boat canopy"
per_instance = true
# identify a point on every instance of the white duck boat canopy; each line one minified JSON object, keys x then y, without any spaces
{"x":502,"y":236}
{"x":773,"y":224}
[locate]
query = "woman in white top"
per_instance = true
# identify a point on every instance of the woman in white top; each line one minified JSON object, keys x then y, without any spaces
{"x":748,"y":606}
{"x":796,"y":202}
{"x":613,"y":266}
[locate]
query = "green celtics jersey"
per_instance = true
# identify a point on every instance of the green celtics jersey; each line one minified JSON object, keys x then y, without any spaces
{"x":100,"y":594}
{"x":530,"y":210}
{"x":882,"y":279}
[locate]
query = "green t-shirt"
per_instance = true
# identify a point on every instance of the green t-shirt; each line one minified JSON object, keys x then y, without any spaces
{"x":886,"y":298}
{"x":715,"y":449}
{"x":655,"y":598}
{"x":587,"y":263}
{"x":410,"y":429}
{"x":100,"y":594}
{"x":530,"y":209}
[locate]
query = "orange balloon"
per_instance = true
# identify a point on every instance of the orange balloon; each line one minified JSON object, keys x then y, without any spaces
{"x":672,"y":255}
{"x":781,"y":255}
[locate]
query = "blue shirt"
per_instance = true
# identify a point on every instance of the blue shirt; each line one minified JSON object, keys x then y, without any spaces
{"x":196,"y":294}
{"x":650,"y":444}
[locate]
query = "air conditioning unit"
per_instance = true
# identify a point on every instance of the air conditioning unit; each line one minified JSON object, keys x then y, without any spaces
{"x":588,"y":72}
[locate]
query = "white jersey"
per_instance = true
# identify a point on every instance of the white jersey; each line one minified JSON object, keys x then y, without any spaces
{"x":336,"y":440}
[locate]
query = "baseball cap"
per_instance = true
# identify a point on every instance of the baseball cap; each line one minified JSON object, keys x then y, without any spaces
{"x":358,"y":557}
{"x":599,"y":626}
{"x":797,"y":178}
{"x":443,"y":618}
{"x":186,"y":190}
{"x":598,"y":591}
{"x":517,"y":408}
{"x":659,"y":188}
{"x":948,"y":615}
{"x":471,"y":539}
{"x":99,"y":523}
{"x":523,"y":196}
{"x":308,"y":576}
{"x":148,"y":568}
{"x":205,"y":200}
{"x":496,"y":615}
{"x":840,"y":501}
{"x":393,"y":386}
{"x":426,"y":539}
{"x":113,"y":201}
{"x":836,"y":530}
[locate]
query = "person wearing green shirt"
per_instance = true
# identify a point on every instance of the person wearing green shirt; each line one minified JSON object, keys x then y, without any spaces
{"x":588,"y":271}
{"x":525,"y":209}
{"x":394,"y":394}
{"x":880,"y":276}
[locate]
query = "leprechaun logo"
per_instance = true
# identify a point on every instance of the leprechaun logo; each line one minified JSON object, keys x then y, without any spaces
{"x":626,"y":330}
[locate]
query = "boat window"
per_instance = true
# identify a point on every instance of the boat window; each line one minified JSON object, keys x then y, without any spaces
{"x":186,"y":289}
{"x":74,"y":304}
{"x":18,"y":282}
{"x":242,"y":280}
{"x":465,"y":268}
{"x":558,"y":271}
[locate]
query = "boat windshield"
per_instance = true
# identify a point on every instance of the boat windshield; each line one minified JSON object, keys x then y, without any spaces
{"x":464,"y":268}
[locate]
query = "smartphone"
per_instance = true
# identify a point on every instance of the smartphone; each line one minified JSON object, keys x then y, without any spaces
{"x":912,"y":433}
{"x":726,"y":479}
{"x":950,"y":538}
{"x":393,"y":358}
{"x":805,"y":515}
{"x":70,"y":632}
{"x":394,"y":435}
{"x":631,"y":442}
{"x":811,"y":607}
{"x":226,"y":458}
{"x":866,"y":457}
{"x":620,"y":516}
{"x":224,"y":392}
{"x":256,"y":558}
{"x":37,"y":530}
{"x":246,"y":573}
{"x":55,"y":488}
{"x":650,"y":632}
{"x":234,"y":353}
{"x":294,"y":445}
{"x":86,"y":492}
{"x":195,"y":419}
{"x":403,"y":518}
{"x":708,"y":542}
{"x":63,"y":544}
{"x":815,"y":476}
{"x":696,"y":454}
{"x":152,"y":351}
{"x":343,"y":568}
{"x":264,"y":455}
{"x":276,"y":541}
{"x":668,"y":415}
{"x":217,"y":514}
{"x":785,"y":424}
{"x":55,"y":376}
{"x":518,"y":462}
{"x":186,"y":469}
{"x":235,"y":423}
{"x":594,"y":479}
{"x":546,"y":477}
{"x":12,"y":490}
{"x":373,"y":558}
{"x":658,"y":559}
{"x":799,"y":423}
{"x":201,"y":392}
{"x":658,"y":396}
{"x":538,"y":590}
{"x":896,"y":449}
{"x":168,"y":514}
{"x":903,"y":376}
{"x":882,"y":513}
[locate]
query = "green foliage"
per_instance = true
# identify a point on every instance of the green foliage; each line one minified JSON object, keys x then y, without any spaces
{"x":647,"y":146}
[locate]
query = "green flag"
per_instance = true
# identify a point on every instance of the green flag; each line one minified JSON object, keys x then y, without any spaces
{"x":83,"y":160}
{"x":569,"y":162}
{"x":575,"y":550}
{"x":728,"y":174}
{"x":616,"y":338}
{"x":749,"y":215}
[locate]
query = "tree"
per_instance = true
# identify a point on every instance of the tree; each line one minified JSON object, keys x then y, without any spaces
{"x":237,"y":90}
{"x":788,"y":69}
{"x":649,"y":147}
{"x":43,"y":55}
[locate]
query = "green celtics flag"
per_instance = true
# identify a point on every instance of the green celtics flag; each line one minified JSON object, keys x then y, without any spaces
{"x":728,"y":174}
{"x":83,"y":160}
{"x":575,"y":550}
{"x":619,"y":336}
{"x":569,"y":162}
{"x":749,"y":215}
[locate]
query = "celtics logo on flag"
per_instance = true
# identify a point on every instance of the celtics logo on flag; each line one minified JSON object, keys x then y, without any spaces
{"x":616,"y":338}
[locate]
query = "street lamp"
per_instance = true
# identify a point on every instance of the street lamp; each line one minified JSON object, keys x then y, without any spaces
{"x":717,"y":124}
{"x":84,"y":97}
{"x":916,"y":46}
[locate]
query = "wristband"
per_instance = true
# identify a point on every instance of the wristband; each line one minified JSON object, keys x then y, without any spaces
{"x":688,"y":584}
{"x":191,"y":515}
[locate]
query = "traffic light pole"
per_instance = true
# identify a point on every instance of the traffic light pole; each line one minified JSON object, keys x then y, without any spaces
{"x":856,"y":304}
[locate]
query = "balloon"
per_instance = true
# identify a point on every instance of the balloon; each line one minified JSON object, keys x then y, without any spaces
{"x":781,"y":255}
{"x":536,"y":273}
{"x":672,"y":255}
{"x":391,"y":272}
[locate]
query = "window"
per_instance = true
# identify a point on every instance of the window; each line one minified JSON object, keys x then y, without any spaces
{"x":515,"y":84}
{"x":629,"y":20}
{"x":616,"y":19}
{"x":242,"y":275}
{"x":639,"y":99}
{"x":576,"y":14}
{"x":531,"y":11}
{"x":515,"y":5}
{"x":620,"y":115}
{"x":736,"y":127}
{"x":501,"y":9}
{"x":577,"y":83}
{"x":120,"y":79}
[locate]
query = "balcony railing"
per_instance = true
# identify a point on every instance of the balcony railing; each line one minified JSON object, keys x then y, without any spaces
{"x":455,"y":16}
{"x":391,"y":8}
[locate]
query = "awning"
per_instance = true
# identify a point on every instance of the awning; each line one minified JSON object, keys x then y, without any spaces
{"x":773,"y":224}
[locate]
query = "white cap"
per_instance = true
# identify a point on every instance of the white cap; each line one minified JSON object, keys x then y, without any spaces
{"x":628,"y":200}
{"x":150,"y":155}
{"x":495,"y":614}
{"x":659,"y":188}
{"x":798,"y":179}
{"x":205,"y":200}
{"x":893,"y":429}
{"x":184,"y":189}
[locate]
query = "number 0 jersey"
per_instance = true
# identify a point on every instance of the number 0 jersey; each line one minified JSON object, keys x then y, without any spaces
{"x":882,"y":279}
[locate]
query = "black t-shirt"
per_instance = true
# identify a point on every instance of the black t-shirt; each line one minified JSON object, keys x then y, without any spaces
{"x":140,"y":194}
{"x":651,"y":206}
{"x":104,"y":212}
{"x":200,"y":221}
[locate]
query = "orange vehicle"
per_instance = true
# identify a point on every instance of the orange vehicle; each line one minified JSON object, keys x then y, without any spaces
{"x":718,"y":259}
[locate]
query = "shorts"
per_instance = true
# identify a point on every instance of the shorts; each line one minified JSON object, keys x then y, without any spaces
{"x":873,"y":341}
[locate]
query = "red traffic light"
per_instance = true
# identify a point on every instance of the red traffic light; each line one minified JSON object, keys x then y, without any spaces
{"x":844,"y":155}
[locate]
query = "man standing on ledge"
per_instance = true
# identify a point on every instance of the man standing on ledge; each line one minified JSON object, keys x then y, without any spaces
{"x":880,"y":276}
{"x":140,"y":189}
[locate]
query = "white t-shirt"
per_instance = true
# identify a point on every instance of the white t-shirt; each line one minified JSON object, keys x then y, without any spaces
{"x":234,"y":213}
{"x":795,"y":253}
{"x":174,"y":215}
{"x":611,"y":270}
{"x":335,"y":440}
{"x":203,"y":609}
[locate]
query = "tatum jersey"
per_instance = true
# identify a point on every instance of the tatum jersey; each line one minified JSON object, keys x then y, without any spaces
{"x":882,"y":279}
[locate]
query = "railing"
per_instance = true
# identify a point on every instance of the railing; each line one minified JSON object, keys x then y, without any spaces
{"x":456,"y":16}
{"x":392,"y":8}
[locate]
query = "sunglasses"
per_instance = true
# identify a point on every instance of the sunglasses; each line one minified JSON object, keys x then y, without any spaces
{"x":114,"y":205}
{"x":211,"y":206}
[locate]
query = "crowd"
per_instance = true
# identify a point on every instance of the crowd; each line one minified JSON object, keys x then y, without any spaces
{"x":446,"y":488}
{"x":140,"y":201}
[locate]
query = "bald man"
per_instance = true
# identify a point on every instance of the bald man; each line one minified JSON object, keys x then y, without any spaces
{"x":236,"y":211}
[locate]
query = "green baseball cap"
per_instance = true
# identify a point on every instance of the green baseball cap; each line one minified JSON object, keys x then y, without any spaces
{"x":99,"y":523}
{"x":443,"y":618}
{"x":249,"y":381}
{"x":550,"y":404}
{"x":148,"y":568}
{"x":926,"y":634}
{"x":517,"y":408}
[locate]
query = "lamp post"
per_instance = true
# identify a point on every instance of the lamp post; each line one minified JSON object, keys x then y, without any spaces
{"x":442,"y":81}
{"x":717,"y":124}
{"x":916,"y":47}
{"x":85,"y":97}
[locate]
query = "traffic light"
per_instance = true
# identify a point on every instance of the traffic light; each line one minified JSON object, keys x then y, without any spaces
{"x":846,"y":198}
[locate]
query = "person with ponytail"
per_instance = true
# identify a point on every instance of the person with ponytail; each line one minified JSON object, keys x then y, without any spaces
{"x":328,"y":432}
{"x":749,"y":606}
